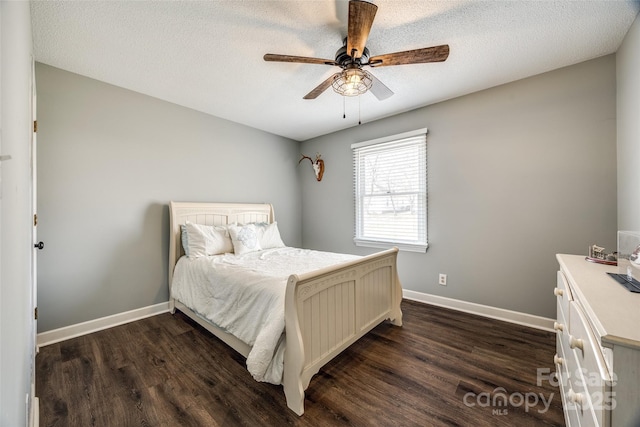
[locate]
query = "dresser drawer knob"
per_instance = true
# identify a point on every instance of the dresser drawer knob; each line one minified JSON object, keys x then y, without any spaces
{"x":576,"y":342}
{"x":558,"y":360}
{"x":575,"y":397}
{"x":558,"y":292}
{"x":558,"y":326}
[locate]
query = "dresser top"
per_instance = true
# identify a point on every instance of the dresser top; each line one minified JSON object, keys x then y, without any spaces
{"x":615,"y":312}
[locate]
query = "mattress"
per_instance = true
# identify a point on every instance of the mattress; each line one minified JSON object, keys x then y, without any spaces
{"x":244,"y":295}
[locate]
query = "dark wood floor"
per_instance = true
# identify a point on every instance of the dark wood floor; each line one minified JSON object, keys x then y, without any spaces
{"x":441,"y":368}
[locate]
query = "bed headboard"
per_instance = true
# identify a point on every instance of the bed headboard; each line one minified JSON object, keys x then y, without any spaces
{"x":210,"y":214}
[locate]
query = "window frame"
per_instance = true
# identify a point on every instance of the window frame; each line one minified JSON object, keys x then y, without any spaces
{"x":418,"y":245}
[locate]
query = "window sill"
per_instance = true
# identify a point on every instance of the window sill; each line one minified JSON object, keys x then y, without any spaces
{"x":407,"y":247}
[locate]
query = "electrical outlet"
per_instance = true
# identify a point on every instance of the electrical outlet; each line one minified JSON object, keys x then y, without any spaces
{"x":442,"y":279}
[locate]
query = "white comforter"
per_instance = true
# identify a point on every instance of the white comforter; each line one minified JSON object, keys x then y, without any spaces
{"x":244,"y":295}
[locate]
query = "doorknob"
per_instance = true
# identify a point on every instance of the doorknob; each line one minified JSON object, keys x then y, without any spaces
{"x":39,"y":245}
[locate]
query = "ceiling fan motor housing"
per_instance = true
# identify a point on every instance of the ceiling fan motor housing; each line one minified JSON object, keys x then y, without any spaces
{"x":343,"y":58}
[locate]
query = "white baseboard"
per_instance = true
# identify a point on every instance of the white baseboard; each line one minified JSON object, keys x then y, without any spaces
{"x":524,"y":319}
{"x":84,"y":328}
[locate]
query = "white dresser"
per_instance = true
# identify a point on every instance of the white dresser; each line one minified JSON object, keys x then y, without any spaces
{"x":598,"y":345}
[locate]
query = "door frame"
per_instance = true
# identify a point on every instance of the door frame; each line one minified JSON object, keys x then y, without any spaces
{"x":34,"y":412}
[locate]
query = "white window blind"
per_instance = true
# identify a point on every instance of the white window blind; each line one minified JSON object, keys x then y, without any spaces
{"x":390,"y":179}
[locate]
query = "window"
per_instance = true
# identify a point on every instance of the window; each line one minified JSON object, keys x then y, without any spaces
{"x":390,"y":179}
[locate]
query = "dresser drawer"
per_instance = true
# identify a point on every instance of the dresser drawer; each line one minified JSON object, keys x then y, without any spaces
{"x":560,"y":362}
{"x":562,"y":291}
{"x":591,"y":370}
{"x":562,"y":320}
{"x":576,"y":398}
{"x":584,"y":398}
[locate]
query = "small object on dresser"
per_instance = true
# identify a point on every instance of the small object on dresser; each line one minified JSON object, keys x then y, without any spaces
{"x":629,"y":250}
{"x":599,"y":255}
{"x":628,"y":260}
{"x":632,"y":285}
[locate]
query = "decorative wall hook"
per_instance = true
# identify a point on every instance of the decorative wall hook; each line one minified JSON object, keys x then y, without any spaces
{"x":318,"y":165}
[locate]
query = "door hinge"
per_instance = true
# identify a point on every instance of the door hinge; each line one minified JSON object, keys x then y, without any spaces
{"x":35,"y":313}
{"x":35,"y":219}
{"x":35,"y":126}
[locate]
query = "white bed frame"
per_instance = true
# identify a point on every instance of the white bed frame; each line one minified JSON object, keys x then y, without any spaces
{"x":325,"y":311}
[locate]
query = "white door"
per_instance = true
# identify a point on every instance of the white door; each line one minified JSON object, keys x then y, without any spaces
{"x":33,"y":415}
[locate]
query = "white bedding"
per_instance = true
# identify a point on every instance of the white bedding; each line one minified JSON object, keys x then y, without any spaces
{"x":244,"y":295}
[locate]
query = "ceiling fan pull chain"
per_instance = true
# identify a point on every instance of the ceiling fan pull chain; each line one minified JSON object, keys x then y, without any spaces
{"x":359,"y":121}
{"x":344,"y":108}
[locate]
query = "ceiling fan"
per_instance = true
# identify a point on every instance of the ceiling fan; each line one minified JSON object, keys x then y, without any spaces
{"x":354,"y":55}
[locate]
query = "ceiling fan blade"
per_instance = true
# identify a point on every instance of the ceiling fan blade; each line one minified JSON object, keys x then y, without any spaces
{"x":321,"y":87}
{"x":417,"y":56}
{"x":379,"y":89}
{"x":361,"y":14}
{"x":301,"y":59}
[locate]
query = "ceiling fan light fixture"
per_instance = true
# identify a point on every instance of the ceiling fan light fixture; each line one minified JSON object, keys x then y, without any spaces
{"x":352,"y":82}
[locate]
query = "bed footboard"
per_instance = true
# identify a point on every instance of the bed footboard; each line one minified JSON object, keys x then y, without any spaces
{"x":328,"y":310}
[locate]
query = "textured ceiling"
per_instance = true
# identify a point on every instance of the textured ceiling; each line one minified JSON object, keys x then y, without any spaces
{"x":207,"y":55}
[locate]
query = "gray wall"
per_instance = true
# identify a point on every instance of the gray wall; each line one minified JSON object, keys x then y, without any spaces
{"x":109,"y":161}
{"x":628,"y":86}
{"x":516,"y":173}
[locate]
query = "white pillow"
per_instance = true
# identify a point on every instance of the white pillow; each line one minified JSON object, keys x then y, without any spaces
{"x":244,"y":238}
{"x":269,"y":235}
{"x":206,"y":240}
